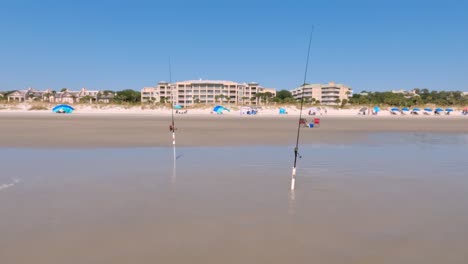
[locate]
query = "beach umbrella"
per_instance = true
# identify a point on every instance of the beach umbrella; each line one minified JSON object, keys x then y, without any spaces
{"x":465,"y":109}
{"x":439,"y":110}
{"x":363,"y":109}
{"x":376,"y":109}
{"x":405,"y":109}
{"x":63,"y":108}
{"x":416,"y":109}
{"x":449,"y":109}
{"x":178,"y":107}
{"x":428,"y":109}
{"x":219,"y":109}
{"x":394,"y":109}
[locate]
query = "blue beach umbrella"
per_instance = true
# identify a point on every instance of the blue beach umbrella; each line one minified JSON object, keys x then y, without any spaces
{"x":416,"y":109}
{"x":394,"y":109}
{"x":428,"y":109}
{"x":405,"y":109}
{"x":449,"y":109}
{"x":219,"y":109}
{"x":439,"y":110}
{"x":178,"y":107}
{"x":65,"y":109}
{"x":376,"y":109}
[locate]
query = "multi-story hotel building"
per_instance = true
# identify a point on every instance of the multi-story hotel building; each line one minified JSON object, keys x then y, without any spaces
{"x":325,"y":93}
{"x":188,"y":93}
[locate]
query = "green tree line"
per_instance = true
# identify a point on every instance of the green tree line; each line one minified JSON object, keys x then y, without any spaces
{"x":422,"y":97}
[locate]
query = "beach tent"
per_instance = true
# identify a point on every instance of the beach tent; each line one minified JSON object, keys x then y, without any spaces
{"x":178,"y":107}
{"x":219,"y":109}
{"x":376,"y":110}
{"x":63,"y":109}
{"x":247,"y":110}
{"x":282,"y":111}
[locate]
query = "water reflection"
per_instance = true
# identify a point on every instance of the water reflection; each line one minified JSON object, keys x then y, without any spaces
{"x":385,"y":201}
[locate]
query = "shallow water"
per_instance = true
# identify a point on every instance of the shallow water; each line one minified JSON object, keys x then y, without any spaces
{"x":394,"y":198}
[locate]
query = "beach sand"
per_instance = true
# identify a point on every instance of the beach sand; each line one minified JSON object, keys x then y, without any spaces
{"x":39,"y":130}
{"x":369,"y":190}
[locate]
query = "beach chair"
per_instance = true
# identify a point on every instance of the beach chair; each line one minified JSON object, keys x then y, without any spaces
{"x":303,"y":122}
{"x":317,"y":122}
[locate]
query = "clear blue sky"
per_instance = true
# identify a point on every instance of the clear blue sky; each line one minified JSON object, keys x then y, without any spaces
{"x":126,"y":44}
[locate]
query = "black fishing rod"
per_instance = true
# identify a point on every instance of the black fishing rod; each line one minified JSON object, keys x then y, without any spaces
{"x":296,"y":149}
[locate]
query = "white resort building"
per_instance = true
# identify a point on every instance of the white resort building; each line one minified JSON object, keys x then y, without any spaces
{"x":188,"y":93}
{"x":328,"y":94}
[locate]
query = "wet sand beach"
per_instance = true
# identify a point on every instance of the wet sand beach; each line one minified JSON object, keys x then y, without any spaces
{"x":107,"y":130}
{"x":107,"y":189}
{"x":354,"y":203}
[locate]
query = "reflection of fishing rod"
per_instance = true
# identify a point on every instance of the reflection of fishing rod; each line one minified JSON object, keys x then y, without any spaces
{"x":172,"y":126}
{"x":296,"y":149}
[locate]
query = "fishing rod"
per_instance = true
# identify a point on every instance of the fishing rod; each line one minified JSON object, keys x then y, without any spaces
{"x":296,"y":149}
{"x":172,"y":127}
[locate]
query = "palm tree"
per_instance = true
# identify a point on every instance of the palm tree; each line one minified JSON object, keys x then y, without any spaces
{"x":268,"y":96}
{"x":257,"y":97}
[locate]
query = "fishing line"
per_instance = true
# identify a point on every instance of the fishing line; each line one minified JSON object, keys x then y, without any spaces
{"x":296,"y":149}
